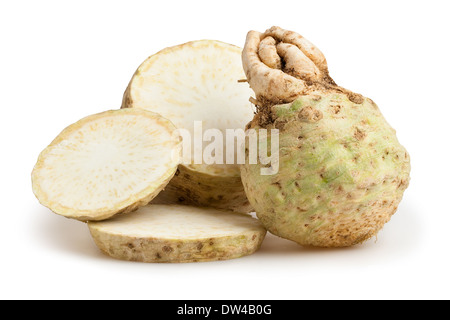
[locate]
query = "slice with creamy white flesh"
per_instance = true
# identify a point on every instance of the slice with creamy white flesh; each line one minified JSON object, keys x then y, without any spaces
{"x":176,"y":233}
{"x":197,"y":84}
{"x":107,"y":163}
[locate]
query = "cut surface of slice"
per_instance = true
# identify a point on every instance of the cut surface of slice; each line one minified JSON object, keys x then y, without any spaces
{"x":196,"y":86}
{"x":176,"y":233}
{"x":107,"y":163}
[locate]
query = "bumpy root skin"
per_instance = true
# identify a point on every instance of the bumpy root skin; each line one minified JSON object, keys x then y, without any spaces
{"x":314,"y":55}
{"x":178,"y":234}
{"x":191,"y":187}
{"x":176,"y":251}
{"x":342,"y":172}
{"x":281,"y":65}
{"x":268,"y":53}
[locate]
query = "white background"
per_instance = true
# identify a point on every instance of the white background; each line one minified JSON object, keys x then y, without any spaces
{"x":61,"y":61}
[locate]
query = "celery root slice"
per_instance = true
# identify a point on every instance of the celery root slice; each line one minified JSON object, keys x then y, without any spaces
{"x":197,"y":82}
{"x":177,"y":233}
{"x":107,"y":163}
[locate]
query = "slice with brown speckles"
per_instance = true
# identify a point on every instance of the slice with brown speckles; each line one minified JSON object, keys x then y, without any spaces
{"x":176,"y":233}
{"x":107,"y":163}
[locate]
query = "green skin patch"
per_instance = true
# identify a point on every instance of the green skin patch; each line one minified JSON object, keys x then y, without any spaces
{"x":341,"y":176}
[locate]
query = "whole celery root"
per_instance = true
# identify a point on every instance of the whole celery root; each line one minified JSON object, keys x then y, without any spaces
{"x":342,"y":172}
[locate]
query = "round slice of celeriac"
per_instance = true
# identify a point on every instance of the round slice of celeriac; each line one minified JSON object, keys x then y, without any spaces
{"x":176,"y":233}
{"x":196,"y":86}
{"x":107,"y":163}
